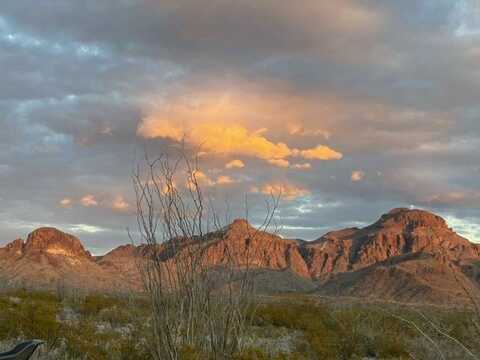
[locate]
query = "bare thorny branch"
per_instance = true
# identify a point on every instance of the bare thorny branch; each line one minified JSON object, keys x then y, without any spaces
{"x":196,"y":304}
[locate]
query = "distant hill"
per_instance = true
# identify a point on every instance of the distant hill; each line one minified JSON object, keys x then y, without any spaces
{"x":407,"y":256}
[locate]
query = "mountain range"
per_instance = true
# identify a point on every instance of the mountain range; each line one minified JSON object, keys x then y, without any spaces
{"x":406,"y":256}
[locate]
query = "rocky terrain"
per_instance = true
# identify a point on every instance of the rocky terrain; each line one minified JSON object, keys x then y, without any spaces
{"x":50,"y":258}
{"x":407,"y":256}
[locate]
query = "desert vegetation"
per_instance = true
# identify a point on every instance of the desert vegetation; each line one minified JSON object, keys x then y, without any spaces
{"x":101,"y":327}
{"x":75,"y":327}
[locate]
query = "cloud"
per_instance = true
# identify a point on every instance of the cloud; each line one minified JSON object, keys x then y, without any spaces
{"x":223,"y":125}
{"x":357,"y":176}
{"x":235,"y":164}
{"x":120,"y":204}
{"x":465,"y":227}
{"x":321,"y":152}
{"x":203,"y":180}
{"x":89,"y":201}
{"x":455,"y":198}
{"x":222,"y":138}
{"x":84,"y":228}
{"x":225,"y":180}
{"x":222,"y":31}
{"x":115,"y":203}
{"x":216,"y":138}
{"x":284,"y":190}
{"x":298,"y":129}
{"x":467,"y":18}
{"x":304,"y":166}
{"x":282,"y":163}
{"x":392,"y":86}
{"x":154,"y":128}
{"x":198,"y":177}
{"x":66,"y":203}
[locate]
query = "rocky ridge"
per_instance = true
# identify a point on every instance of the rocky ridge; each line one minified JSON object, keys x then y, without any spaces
{"x":407,"y":255}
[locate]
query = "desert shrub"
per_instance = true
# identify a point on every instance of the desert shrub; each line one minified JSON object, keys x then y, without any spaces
{"x":253,"y":354}
{"x":104,"y":331}
{"x":261,"y":354}
{"x":5,"y":323}
{"x":339,"y":333}
{"x":115,"y":316}
{"x":39,"y":320}
{"x":190,"y":353}
{"x":292,"y":316}
{"x":132,"y":347}
{"x":35,"y":316}
{"x":83,"y":341}
{"x":94,"y":304}
{"x":91,"y":339}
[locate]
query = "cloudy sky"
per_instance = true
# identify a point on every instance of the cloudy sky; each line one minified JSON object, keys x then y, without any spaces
{"x":349,"y":107}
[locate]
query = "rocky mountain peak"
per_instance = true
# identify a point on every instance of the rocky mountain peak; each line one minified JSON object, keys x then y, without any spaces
{"x":412,"y":218}
{"x":239,"y":227}
{"x":54,"y":242}
{"x":123,"y":251}
{"x":240,"y":223}
{"x":397,"y":233}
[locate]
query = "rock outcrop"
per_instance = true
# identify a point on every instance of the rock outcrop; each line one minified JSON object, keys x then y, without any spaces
{"x":247,"y":246}
{"x":50,"y":241}
{"x":400,"y":232}
{"x":50,"y":258}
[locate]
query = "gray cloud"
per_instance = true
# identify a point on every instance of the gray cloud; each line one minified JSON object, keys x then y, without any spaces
{"x":394,"y":84}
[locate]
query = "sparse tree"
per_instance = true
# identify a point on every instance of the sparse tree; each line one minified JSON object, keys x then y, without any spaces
{"x":198,"y":305}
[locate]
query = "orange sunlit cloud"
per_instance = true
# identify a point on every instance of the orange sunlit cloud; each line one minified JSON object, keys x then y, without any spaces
{"x":279,"y":162}
{"x":232,"y":139}
{"x":238,"y":123}
{"x":216,"y":138}
{"x":235,"y":164}
{"x":203,"y":180}
{"x":321,"y":152}
{"x":285,"y":191}
{"x":225,"y":180}
{"x":118,"y":203}
{"x":357,"y":176}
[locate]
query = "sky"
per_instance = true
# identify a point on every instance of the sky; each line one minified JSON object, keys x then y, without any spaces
{"x":349,"y":108}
